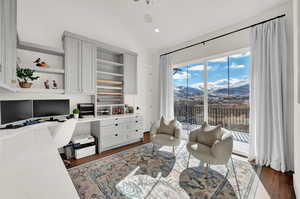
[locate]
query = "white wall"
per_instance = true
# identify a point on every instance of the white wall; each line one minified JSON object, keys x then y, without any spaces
{"x":43,"y":22}
{"x":296,"y":10}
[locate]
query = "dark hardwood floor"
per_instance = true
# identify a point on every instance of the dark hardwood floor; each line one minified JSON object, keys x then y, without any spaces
{"x":277,"y":184}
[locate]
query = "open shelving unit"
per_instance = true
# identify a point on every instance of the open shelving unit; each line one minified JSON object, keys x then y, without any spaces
{"x":110,"y":81}
{"x":28,"y":52}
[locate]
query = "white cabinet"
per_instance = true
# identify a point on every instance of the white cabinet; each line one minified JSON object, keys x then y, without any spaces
{"x":72,"y":65}
{"x":118,"y":131}
{"x":88,"y":68}
{"x":8,"y":41}
{"x":80,"y":66}
{"x":130,"y":74}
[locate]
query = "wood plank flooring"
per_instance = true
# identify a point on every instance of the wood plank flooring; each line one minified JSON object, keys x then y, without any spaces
{"x":277,"y":184}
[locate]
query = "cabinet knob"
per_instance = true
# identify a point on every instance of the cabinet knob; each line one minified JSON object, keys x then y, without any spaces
{"x":116,"y":134}
{"x":136,"y":130}
{"x":136,"y":121}
{"x":116,"y":124}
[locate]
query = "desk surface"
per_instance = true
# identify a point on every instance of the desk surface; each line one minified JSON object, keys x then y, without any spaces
{"x":7,"y":133}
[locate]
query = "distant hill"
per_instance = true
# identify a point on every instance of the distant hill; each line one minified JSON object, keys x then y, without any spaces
{"x":238,"y":91}
{"x":181,"y":91}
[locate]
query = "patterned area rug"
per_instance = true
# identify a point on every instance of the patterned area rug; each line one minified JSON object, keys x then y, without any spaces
{"x":137,"y":173}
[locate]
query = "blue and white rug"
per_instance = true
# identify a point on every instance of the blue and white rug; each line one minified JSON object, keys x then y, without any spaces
{"x":137,"y":173}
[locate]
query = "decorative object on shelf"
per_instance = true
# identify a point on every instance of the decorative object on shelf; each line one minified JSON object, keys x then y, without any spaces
{"x":76,"y":112}
{"x":19,"y":61}
{"x":130,"y":109}
{"x":54,"y":84}
{"x":24,"y":75}
{"x":117,"y":110}
{"x":46,"y":84}
{"x":104,"y":112}
{"x":40,"y":63}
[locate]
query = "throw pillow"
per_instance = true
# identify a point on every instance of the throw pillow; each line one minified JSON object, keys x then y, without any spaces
{"x":167,"y":127}
{"x":209,"y":136}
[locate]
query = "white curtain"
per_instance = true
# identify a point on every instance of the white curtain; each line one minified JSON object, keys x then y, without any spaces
{"x":268,"y":98}
{"x":166,"y":88}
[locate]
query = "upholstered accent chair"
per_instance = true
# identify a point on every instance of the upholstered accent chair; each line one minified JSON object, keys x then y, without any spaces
{"x":219,"y":153}
{"x":165,"y":139}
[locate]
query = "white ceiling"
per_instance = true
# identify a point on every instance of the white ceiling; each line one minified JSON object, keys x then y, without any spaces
{"x":182,"y":20}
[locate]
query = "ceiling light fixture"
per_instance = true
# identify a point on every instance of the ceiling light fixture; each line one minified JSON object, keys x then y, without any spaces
{"x":156,"y":30}
{"x":147,"y":1}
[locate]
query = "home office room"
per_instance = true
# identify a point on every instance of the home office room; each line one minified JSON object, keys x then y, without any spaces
{"x":149,"y":99}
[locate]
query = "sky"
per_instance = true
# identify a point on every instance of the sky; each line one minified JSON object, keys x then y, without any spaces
{"x":218,"y":69}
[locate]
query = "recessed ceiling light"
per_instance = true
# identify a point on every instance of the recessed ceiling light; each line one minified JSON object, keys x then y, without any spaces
{"x":156,"y":30}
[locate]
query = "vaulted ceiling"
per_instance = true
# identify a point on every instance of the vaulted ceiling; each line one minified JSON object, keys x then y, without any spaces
{"x":182,"y":20}
{"x":122,"y":22}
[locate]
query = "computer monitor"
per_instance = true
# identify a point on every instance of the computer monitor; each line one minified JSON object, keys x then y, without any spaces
{"x":15,"y":110}
{"x":50,"y":108}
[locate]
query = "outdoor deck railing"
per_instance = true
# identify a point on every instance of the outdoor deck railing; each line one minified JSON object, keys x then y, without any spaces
{"x":232,"y":117}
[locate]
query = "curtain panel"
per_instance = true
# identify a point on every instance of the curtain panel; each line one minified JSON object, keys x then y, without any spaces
{"x":166,"y":107}
{"x":269,"y":95}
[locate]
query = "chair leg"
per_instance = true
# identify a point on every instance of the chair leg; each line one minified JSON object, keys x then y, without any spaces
{"x":206,"y":170}
{"x":234,"y":171}
{"x":173,"y":150}
{"x":188,"y":160}
{"x":153,"y":150}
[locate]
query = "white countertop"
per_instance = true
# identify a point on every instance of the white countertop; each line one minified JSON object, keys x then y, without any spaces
{"x":31,"y":166}
{"x":6,"y":133}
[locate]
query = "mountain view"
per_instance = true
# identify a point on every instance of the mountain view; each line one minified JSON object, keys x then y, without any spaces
{"x":227,"y":88}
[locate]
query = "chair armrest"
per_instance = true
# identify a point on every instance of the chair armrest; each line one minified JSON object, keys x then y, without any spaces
{"x":222,"y":149}
{"x":154,"y":128}
{"x":193,"y":136}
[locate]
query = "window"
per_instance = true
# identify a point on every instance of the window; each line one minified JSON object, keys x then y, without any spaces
{"x":214,"y":90}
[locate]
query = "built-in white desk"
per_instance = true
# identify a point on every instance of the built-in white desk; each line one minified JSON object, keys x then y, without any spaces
{"x":31,"y":167}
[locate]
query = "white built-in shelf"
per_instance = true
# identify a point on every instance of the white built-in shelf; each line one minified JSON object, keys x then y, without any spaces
{"x":109,"y":94}
{"x":110,"y":100}
{"x":40,"y":48}
{"x":112,"y":74}
{"x":103,"y":105}
{"x":4,"y":88}
{"x":48,"y":70}
{"x":110,"y":87}
{"x":109,"y":62}
{"x":40,"y":90}
{"x":110,"y":82}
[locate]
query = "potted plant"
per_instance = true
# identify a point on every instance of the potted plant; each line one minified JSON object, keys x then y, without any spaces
{"x":76,"y":113}
{"x":24,"y":75}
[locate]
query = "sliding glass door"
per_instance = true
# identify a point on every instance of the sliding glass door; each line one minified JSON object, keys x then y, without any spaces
{"x":215,"y":90}
{"x":189,"y":94}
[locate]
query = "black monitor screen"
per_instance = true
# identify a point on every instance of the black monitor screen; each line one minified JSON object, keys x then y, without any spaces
{"x":46,"y":108}
{"x":12,"y":111}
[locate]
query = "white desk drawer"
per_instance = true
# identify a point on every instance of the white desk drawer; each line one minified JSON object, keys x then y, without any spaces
{"x":137,"y":134}
{"x":112,"y":139}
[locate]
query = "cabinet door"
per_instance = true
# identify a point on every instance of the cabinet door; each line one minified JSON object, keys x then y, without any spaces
{"x":8,"y":41}
{"x":88,"y":68}
{"x":130,"y":74}
{"x":72,"y":65}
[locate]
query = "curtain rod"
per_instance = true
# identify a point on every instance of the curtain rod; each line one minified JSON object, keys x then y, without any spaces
{"x":220,"y":36}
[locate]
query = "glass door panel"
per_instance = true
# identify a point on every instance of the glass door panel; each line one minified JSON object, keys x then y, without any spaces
{"x":217,"y":88}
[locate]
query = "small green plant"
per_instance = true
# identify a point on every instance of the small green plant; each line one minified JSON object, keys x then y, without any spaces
{"x":26,"y":74}
{"x":76,"y":111}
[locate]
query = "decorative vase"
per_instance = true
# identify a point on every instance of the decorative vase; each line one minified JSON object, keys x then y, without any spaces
{"x":25,"y":84}
{"x":76,"y":116}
